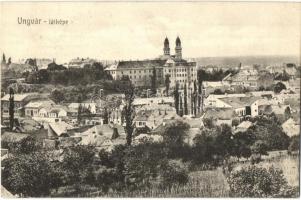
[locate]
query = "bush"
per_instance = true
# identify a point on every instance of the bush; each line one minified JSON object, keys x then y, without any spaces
{"x":174,"y":173}
{"x":28,"y":174}
{"x":254,"y":181}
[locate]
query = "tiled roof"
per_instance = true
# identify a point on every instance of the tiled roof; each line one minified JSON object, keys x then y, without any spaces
{"x":13,"y":137}
{"x":157,"y":100}
{"x":141,"y":64}
{"x":237,"y":102}
{"x":38,"y":104}
{"x":60,"y":127}
{"x":18,"y":97}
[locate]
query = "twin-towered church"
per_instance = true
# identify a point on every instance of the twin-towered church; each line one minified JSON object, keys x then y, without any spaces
{"x":140,"y":72}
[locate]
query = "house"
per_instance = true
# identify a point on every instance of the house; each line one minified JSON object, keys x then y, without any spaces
{"x":220,"y":116}
{"x":80,"y":62}
{"x":210,"y":86}
{"x":153,"y":100}
{"x":52,"y":113}
{"x":20,"y":100}
{"x":154,"y":117}
{"x":243,"y":106}
{"x":246,"y":77}
{"x":213,"y":100}
{"x":33,"y":107}
{"x":105,"y":130}
{"x":104,"y":136}
{"x":58,"y":129}
{"x":291,"y":126}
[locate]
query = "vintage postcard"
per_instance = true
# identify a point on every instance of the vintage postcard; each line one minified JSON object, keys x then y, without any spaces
{"x":150,"y":99}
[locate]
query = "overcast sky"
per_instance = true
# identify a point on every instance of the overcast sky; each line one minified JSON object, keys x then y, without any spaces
{"x":137,"y":30}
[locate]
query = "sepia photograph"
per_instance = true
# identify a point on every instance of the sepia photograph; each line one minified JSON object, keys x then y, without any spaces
{"x":150,"y":99}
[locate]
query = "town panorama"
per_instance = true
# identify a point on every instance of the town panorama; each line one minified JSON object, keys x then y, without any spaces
{"x":167,"y":125}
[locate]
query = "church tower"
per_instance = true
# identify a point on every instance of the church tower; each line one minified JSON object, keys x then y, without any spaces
{"x":178,"y":49}
{"x":166,"y":48}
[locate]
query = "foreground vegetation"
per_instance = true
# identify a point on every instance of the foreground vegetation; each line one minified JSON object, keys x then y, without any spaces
{"x":170,"y":168}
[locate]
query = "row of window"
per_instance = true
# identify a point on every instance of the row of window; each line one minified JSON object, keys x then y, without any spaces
{"x":145,"y":71}
{"x":140,"y":76}
{"x":157,"y":70}
{"x":178,"y":70}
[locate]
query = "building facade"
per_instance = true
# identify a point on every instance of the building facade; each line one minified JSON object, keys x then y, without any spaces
{"x":173,"y":66}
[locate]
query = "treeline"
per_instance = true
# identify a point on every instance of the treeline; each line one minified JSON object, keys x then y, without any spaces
{"x":215,"y":75}
{"x":58,"y":74}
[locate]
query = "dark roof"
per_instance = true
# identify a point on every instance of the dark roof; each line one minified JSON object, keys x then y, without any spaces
{"x":142,"y":63}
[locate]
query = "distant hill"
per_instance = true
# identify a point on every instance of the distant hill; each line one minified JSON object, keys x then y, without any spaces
{"x":246,"y":60}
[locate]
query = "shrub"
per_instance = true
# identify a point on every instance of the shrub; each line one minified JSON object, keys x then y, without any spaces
{"x":174,"y":173}
{"x":254,"y":181}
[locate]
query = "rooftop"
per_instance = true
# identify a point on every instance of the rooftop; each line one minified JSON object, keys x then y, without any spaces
{"x":220,"y":113}
{"x":238,"y":102}
{"x":18,"y":97}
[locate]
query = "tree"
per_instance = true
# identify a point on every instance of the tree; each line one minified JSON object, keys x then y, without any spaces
{"x":43,"y":76}
{"x":3,"y":59}
{"x":279,"y":87}
{"x":105,"y":116}
{"x":242,"y":144}
{"x":11,"y":109}
{"x":129,"y":113}
{"x":25,"y":146}
{"x":173,"y":172}
{"x":268,"y":129}
{"x":253,"y":181}
{"x":57,"y":96}
{"x":176,"y":97}
{"x":181,"y":107}
{"x":173,"y":135}
{"x":9,"y":61}
{"x":287,"y":113}
{"x":204,"y":149}
{"x":143,"y":163}
{"x":79,"y":113}
{"x":185,"y":100}
{"x":218,"y":91}
{"x":259,"y":147}
{"x":54,"y":67}
{"x":76,"y":160}
{"x":28,"y":175}
{"x":154,"y":77}
{"x":195,"y":97}
{"x":167,"y":83}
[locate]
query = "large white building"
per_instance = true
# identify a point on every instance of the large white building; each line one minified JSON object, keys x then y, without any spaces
{"x":174,"y":66}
